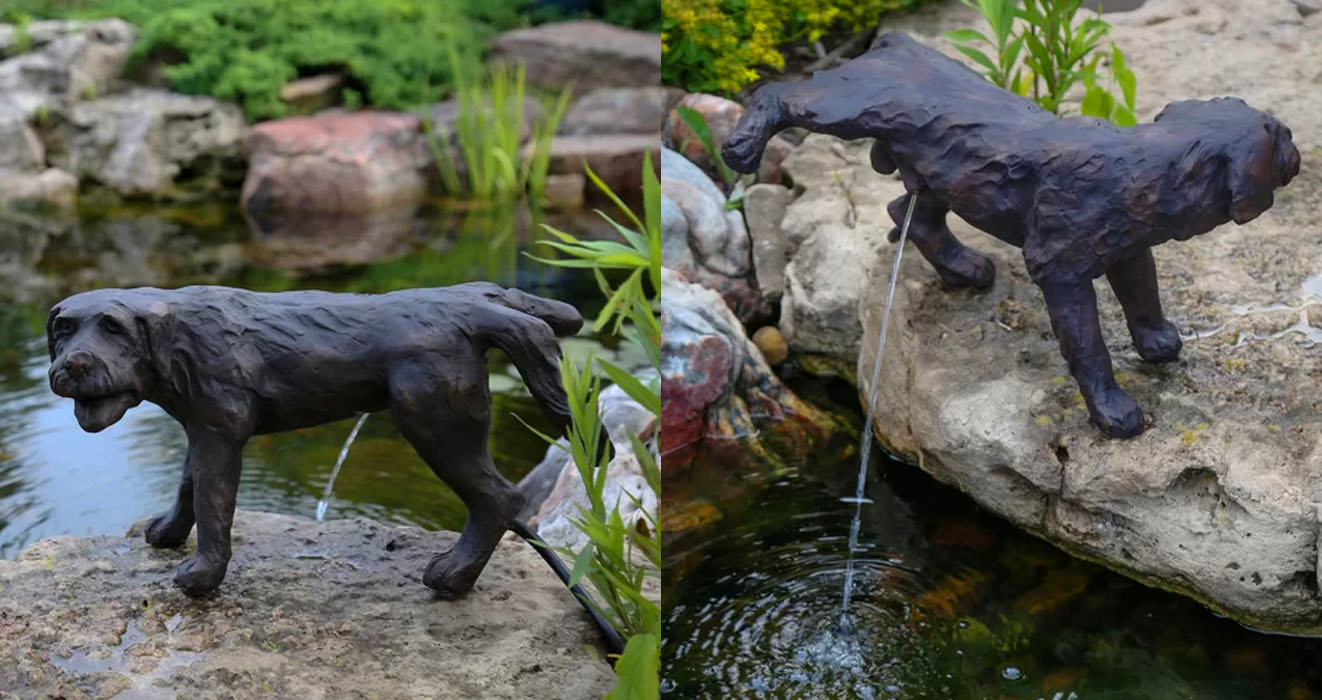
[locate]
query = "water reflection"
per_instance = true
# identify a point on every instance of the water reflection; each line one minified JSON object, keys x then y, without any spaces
{"x":56,"y":479}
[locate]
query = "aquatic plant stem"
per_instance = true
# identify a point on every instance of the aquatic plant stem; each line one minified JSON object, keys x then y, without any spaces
{"x":865,"y":450}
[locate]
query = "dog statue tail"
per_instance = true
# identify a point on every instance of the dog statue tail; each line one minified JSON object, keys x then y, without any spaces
{"x":535,"y":352}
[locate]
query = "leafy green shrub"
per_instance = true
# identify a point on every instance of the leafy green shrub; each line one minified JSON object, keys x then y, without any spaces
{"x":1049,"y":54}
{"x":393,"y":51}
{"x":719,"y":45}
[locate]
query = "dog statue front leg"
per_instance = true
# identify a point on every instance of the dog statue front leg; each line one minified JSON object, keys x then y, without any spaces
{"x":215,"y":458}
{"x":1134,"y":282}
{"x":1073,"y":310}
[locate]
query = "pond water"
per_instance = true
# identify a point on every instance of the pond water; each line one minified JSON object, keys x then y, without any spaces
{"x":56,"y":479}
{"x":949,"y":602}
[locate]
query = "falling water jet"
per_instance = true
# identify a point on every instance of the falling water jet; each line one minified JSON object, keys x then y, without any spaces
{"x":845,"y":624}
{"x":324,"y":503}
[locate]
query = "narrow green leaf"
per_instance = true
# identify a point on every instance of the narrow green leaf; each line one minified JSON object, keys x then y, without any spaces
{"x":582,"y":563}
{"x":967,"y":35}
{"x":979,"y":57}
{"x":631,"y":386}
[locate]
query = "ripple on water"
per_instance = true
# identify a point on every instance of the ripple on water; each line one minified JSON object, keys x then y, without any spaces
{"x":776,"y":623}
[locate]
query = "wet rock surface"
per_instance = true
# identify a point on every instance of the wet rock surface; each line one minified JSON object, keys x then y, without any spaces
{"x":334,"y":609}
{"x":1218,"y":499}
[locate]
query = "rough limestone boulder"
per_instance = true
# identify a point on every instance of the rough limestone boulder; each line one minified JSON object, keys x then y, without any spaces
{"x":586,"y":54}
{"x":832,"y":233}
{"x":311,"y":610}
{"x":20,"y":147}
{"x":335,"y":163}
{"x":1219,"y":498}
{"x":704,"y":241}
{"x":153,"y":143}
{"x":67,"y":61}
{"x":718,"y":395}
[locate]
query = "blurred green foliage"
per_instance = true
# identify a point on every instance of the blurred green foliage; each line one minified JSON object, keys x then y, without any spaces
{"x":393,"y":52}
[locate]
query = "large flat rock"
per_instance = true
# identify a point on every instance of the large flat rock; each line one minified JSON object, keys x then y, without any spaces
{"x":309,"y":610}
{"x":1219,"y":498}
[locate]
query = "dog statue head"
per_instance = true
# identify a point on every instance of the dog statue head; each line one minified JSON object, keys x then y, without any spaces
{"x":1255,"y":149}
{"x":101,"y":354}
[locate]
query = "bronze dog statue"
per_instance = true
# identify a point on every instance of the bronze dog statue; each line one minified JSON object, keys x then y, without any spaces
{"x":1082,"y":197}
{"x":229,"y":364}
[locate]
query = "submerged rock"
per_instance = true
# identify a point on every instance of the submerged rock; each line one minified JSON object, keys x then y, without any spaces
{"x":717,"y":392}
{"x":1218,"y":500}
{"x":309,"y":610}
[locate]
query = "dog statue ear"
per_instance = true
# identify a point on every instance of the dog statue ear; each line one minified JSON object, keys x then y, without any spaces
{"x":154,"y":326}
{"x":1285,"y":154}
{"x":50,"y":321}
{"x":1250,"y":176}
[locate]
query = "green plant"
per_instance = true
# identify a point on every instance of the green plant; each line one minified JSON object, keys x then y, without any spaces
{"x":1049,"y":55}
{"x":492,"y":161}
{"x":698,"y":125}
{"x":22,"y":40}
{"x":619,"y":557}
{"x":719,"y":45}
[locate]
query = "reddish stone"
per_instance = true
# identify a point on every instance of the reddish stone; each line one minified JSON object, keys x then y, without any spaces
{"x":335,"y":162}
{"x":696,"y":380}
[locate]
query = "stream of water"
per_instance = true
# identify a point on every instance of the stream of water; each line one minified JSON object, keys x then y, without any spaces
{"x":324,"y":503}
{"x":865,"y":451}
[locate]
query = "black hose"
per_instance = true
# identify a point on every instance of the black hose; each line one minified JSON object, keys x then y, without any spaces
{"x":612,"y":639}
